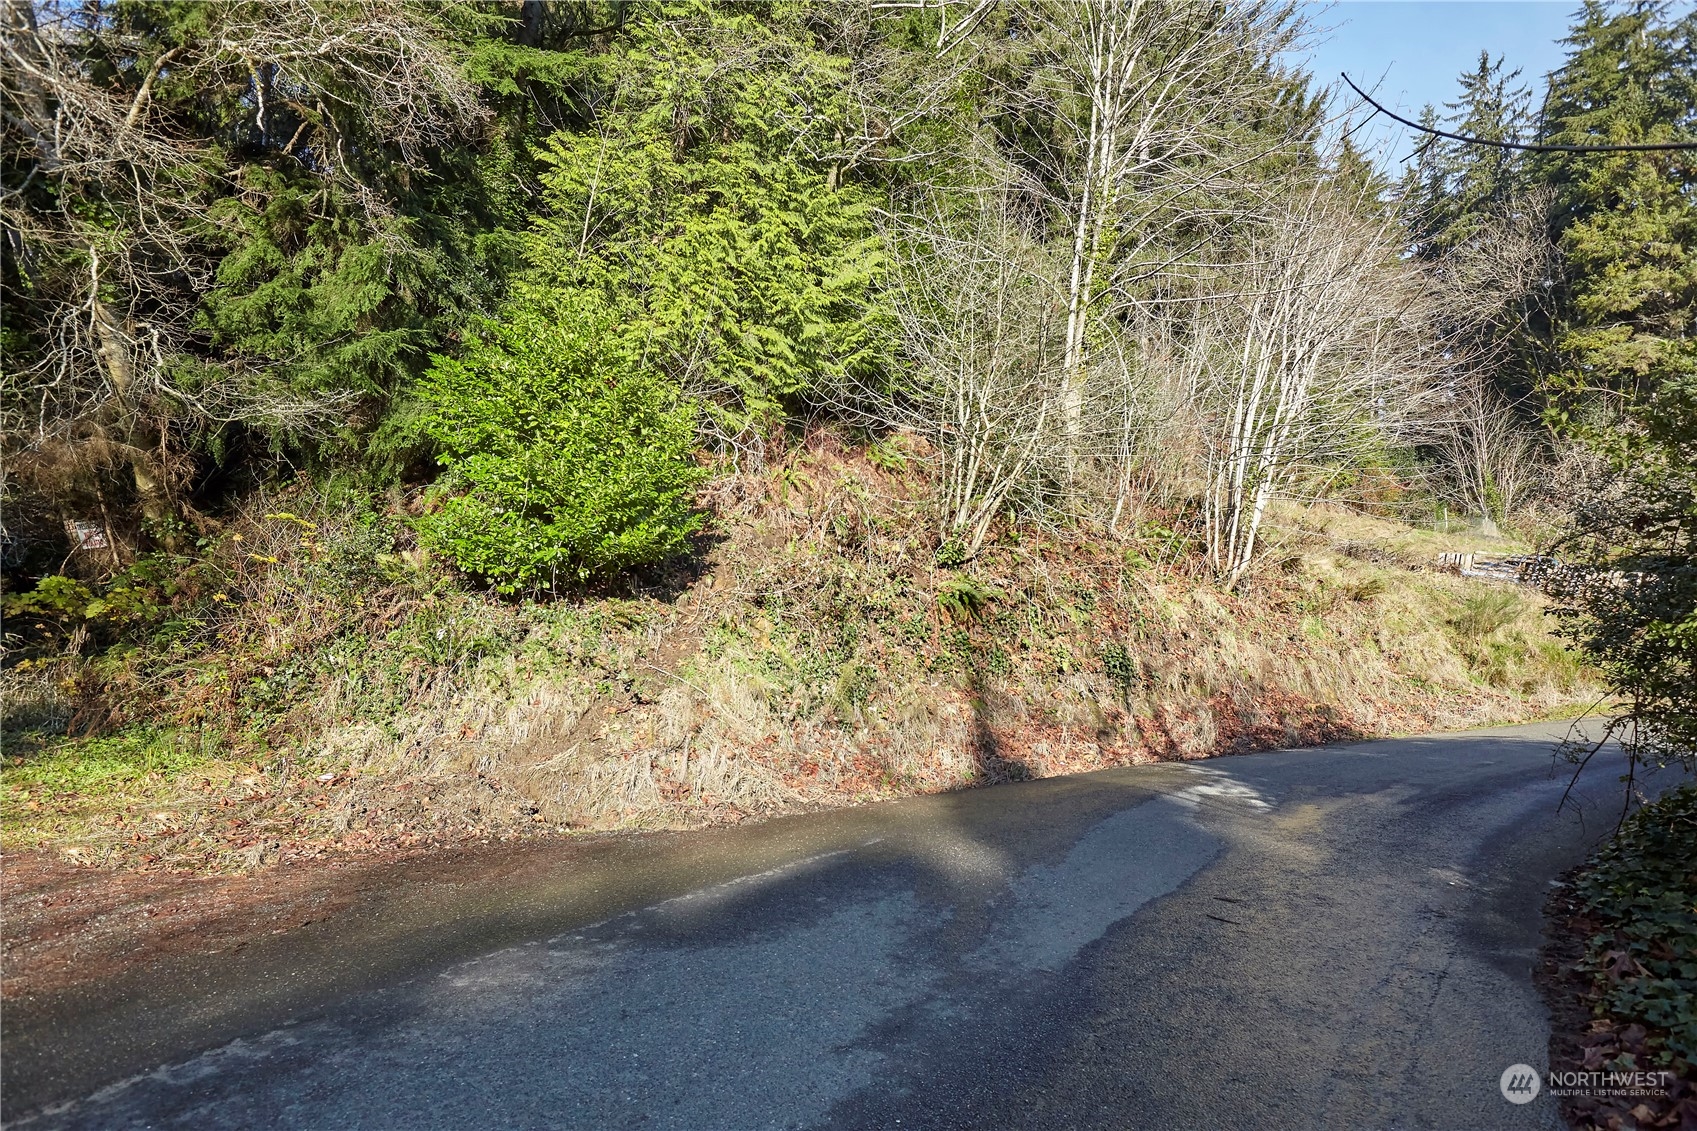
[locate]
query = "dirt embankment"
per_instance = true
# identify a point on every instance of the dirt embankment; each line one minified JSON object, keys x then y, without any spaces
{"x":818,"y":656}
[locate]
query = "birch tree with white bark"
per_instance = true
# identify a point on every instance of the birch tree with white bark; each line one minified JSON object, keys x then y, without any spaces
{"x":1318,"y":350}
{"x":1151,"y":97}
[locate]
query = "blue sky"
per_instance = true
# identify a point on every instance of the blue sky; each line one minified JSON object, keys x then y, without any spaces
{"x":1410,"y":52}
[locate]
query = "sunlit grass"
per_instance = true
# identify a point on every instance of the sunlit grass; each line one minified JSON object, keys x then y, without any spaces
{"x":52,"y":787}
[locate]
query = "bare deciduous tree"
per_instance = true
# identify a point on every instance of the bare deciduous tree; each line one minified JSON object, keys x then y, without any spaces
{"x":889,"y":97}
{"x":1153,"y":93}
{"x":1320,"y":349}
{"x":1494,"y":461}
{"x":984,"y":349}
{"x":1490,"y":288}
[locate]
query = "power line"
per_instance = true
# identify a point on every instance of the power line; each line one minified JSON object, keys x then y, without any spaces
{"x":1645,"y":147}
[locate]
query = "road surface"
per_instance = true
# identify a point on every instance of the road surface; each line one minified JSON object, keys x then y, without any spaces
{"x":1333,"y":937}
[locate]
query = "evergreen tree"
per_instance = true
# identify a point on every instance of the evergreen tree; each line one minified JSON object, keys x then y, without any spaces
{"x":1627,"y":227}
{"x":1626,"y":222}
{"x":1483,"y":179}
{"x":1456,"y":189}
{"x":1422,"y":192}
{"x":1356,"y":176}
{"x":272,"y":209}
{"x":702,"y":202}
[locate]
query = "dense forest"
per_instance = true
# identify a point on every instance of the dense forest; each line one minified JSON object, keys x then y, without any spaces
{"x":337,"y":332}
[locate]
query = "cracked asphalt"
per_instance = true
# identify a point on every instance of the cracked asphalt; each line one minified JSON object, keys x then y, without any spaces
{"x":1333,"y":937}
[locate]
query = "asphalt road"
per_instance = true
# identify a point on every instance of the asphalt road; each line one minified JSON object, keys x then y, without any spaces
{"x":1337,"y":937}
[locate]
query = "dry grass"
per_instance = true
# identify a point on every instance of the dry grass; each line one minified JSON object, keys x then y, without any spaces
{"x":809,"y":663}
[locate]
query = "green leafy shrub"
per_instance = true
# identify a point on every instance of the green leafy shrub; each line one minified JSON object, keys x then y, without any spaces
{"x":1644,"y":889}
{"x":53,"y":596}
{"x":564,"y":459}
{"x":951,"y":554}
{"x":144,"y":595}
{"x":1119,"y":665}
{"x":886,"y":455}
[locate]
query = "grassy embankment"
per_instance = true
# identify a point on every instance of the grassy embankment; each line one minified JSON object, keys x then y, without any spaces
{"x":314,"y":687}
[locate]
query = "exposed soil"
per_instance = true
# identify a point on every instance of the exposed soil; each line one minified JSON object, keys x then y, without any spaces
{"x":72,"y":917}
{"x":1581,"y":1041}
{"x":67,"y":923}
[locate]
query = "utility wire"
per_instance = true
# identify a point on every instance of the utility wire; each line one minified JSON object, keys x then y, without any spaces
{"x":1645,"y":147}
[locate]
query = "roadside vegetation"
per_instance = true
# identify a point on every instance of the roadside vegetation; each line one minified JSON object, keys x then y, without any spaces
{"x":429,"y":422}
{"x":1627,"y":968}
{"x":1642,"y":894}
{"x":309,"y":689}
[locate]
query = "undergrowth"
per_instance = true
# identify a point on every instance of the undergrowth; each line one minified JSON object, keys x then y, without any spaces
{"x":308,"y":680}
{"x":1641,"y":891}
